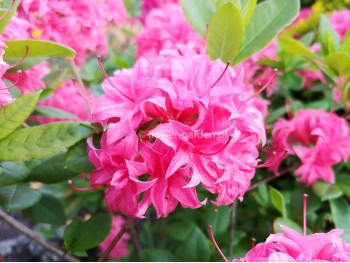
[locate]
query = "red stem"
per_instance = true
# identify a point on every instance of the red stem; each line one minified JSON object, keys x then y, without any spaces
{"x":8,"y":10}
{"x":222,"y":74}
{"x":22,"y":59}
{"x":210,"y":229}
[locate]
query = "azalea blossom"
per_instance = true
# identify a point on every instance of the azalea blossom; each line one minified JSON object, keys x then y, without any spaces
{"x":165,"y":28}
{"x":340,"y":21}
{"x":175,"y":122}
{"x":5,"y":96}
{"x":120,"y":250}
{"x":311,"y":136}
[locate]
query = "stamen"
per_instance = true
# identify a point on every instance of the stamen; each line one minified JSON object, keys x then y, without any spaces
{"x":7,"y":11}
{"x":71,"y":186}
{"x":81,"y":92}
{"x":287,"y":105}
{"x":271,"y":161}
{"x":209,"y":154}
{"x":210,"y":229}
{"x":109,"y":80}
{"x":266,"y":84}
{"x":206,"y":35}
{"x":222,"y":74}
{"x":304,"y":214}
{"x":19,"y":74}
{"x":22,"y":59}
{"x":253,"y":242}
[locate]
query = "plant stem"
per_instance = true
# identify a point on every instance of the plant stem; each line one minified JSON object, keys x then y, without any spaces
{"x":232,"y":227}
{"x":36,"y":237}
{"x":135,"y":241}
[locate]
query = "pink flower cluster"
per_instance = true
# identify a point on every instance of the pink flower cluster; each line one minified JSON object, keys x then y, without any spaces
{"x":78,"y":24}
{"x":176,"y":121}
{"x":165,"y":28}
{"x":120,"y":250}
{"x":5,"y":96}
{"x":290,"y":246}
{"x":319,"y":139}
{"x":149,"y":5}
{"x":340,"y":21}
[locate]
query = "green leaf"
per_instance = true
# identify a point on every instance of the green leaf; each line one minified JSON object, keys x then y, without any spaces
{"x":291,"y":81}
{"x":77,"y":159}
{"x":278,"y":201}
{"x":5,"y":6}
{"x":340,"y":210}
{"x":295,"y":47}
{"x":18,"y":197}
{"x":12,"y":173}
{"x":179,"y":230}
{"x":326,"y":191}
{"x":195,"y":248}
{"x":286,"y":222}
{"x":343,"y":183}
{"x":219,"y":3}
{"x":82,"y":235}
{"x":198,"y":14}
{"x":247,"y":11}
{"x":157,"y":255}
{"x":329,"y":39}
{"x":48,"y":210}
{"x":225,"y":34}
{"x":39,"y":50}
{"x":220,"y":219}
{"x":42,"y":141}
{"x":340,"y":63}
{"x":268,"y":19}
{"x":345,"y":47}
{"x":15,"y":113}
{"x":54,"y":113}
{"x":51,"y":170}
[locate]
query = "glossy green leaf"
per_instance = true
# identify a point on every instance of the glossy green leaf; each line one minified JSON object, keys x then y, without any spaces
{"x":219,"y":3}
{"x":291,"y":81}
{"x":195,"y":247}
{"x":345,"y":46}
{"x":12,"y":173}
{"x":340,"y":210}
{"x":77,"y":159}
{"x":18,"y":197}
{"x":295,"y":47}
{"x":15,"y":113}
{"x":268,"y":19}
{"x":198,"y":14}
{"x":157,"y":255}
{"x":278,"y":201}
{"x":329,"y":39}
{"x":179,"y":230}
{"x":340,"y":63}
{"x":326,"y":191}
{"x":42,"y":141}
{"x":4,"y":7}
{"x":39,"y":51}
{"x":82,"y":235}
{"x":225,"y":34}
{"x":54,"y":113}
{"x":343,"y":183}
{"x":48,"y":210}
{"x":51,"y":170}
{"x":220,"y":219}
{"x":247,"y":11}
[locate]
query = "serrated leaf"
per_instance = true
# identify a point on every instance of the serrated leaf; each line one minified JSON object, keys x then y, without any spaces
{"x":39,"y":50}
{"x":340,"y":63}
{"x":48,"y":210}
{"x":42,"y":141}
{"x":77,"y":159}
{"x":340,"y":210}
{"x":326,"y":191}
{"x":4,"y":7}
{"x":278,"y":201}
{"x":15,"y":113}
{"x":198,"y":14}
{"x":269,"y":18}
{"x":225,"y":33}
{"x":51,"y":170}
{"x":12,"y":173}
{"x":18,"y":197}
{"x":82,"y":235}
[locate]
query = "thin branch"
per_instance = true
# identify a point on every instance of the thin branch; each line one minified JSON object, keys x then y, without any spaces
{"x":232,"y":227}
{"x":210,"y":230}
{"x":114,"y":242}
{"x":36,"y":237}
{"x":135,"y":241}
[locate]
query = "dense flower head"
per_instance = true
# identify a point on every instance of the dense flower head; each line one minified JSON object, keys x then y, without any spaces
{"x":319,"y":139}
{"x":175,"y":125}
{"x":340,"y":20}
{"x":164,"y":28}
{"x":67,"y":97}
{"x":290,"y":246}
{"x":78,"y":24}
{"x":149,"y":5}
{"x":120,"y":250}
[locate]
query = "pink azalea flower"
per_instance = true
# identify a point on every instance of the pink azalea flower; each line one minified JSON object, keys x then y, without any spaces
{"x":85,"y":22}
{"x":174,"y":123}
{"x":311,"y":136}
{"x":5,"y":96}
{"x":67,"y":98}
{"x":149,"y":5}
{"x":120,"y":250}
{"x":290,"y":246}
{"x":340,"y":20}
{"x":165,"y":28}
